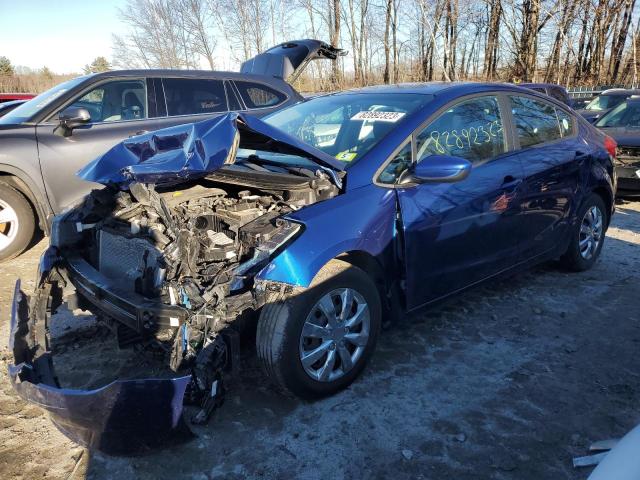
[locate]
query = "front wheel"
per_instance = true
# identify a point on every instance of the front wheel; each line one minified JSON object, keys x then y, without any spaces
{"x":317,"y":342}
{"x":17,"y":222}
{"x":588,"y":235}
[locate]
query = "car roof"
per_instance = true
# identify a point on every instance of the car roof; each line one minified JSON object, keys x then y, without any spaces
{"x":621,"y":91}
{"x":540,"y":85}
{"x":435,"y":88}
{"x":168,"y":72}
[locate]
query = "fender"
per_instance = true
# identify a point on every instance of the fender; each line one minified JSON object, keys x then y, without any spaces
{"x":35,"y":194}
{"x":363,"y":217}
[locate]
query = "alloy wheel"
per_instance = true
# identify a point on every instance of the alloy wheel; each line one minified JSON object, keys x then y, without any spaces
{"x":591,"y":231}
{"x":335,"y":335}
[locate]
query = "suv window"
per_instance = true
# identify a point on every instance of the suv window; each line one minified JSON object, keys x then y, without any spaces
{"x":114,"y":101}
{"x":535,"y":121}
{"x":256,"y":95}
{"x":192,"y":96}
{"x":471,"y":129}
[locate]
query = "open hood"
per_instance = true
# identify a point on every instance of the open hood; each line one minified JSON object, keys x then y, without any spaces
{"x":289,"y":59}
{"x":194,"y":150}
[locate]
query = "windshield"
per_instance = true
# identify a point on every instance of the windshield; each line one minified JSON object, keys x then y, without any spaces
{"x":626,"y":114}
{"x":28,"y":109}
{"x":605,"y":102}
{"x":346,"y":126}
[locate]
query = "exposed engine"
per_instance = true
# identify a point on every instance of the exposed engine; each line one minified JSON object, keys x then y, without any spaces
{"x":196,"y":246}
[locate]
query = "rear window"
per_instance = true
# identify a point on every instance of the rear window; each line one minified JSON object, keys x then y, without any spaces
{"x":535,"y":121}
{"x":257,"y":95}
{"x":189,"y":96}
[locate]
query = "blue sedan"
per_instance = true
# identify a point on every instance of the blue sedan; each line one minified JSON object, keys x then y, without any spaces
{"x":323,"y":222}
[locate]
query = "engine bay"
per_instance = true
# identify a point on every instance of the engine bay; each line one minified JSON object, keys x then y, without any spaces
{"x":194,"y":247}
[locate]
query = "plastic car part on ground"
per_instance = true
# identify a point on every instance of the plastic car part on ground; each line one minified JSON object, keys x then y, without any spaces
{"x":194,"y":150}
{"x":125,"y":417}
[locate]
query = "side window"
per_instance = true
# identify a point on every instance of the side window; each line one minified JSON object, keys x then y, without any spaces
{"x":399,"y":164}
{"x":114,"y":101}
{"x":535,"y":121}
{"x":190,"y":96}
{"x":566,"y":123}
{"x":234,"y":103}
{"x":257,"y":95}
{"x":471,"y":130}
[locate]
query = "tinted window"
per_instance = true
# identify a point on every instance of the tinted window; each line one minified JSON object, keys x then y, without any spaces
{"x":559,"y":94}
{"x":605,"y":102}
{"x":256,"y":95}
{"x":115,"y":101}
{"x":189,"y":96}
{"x":234,"y":103}
{"x":535,"y":121}
{"x":626,"y":114}
{"x":566,"y":123}
{"x":471,"y":130}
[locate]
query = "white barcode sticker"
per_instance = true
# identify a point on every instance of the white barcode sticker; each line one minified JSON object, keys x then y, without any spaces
{"x":174,"y":321}
{"x":378,"y":116}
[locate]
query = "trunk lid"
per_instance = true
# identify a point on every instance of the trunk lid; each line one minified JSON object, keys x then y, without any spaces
{"x":289,"y":59}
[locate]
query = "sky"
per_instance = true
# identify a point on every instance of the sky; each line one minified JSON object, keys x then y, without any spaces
{"x":62,"y":35}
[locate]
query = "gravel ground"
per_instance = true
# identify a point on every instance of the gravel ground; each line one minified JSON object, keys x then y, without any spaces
{"x":508,"y":381}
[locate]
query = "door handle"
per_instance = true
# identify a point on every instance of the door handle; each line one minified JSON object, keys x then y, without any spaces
{"x":511,"y":181}
{"x":139,"y":132}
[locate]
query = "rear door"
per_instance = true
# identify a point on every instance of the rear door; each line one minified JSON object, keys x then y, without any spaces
{"x":119,"y":108}
{"x":550,"y":152}
{"x":456,"y":234}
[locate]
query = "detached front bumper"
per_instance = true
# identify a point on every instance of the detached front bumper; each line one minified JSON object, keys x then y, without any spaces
{"x":125,"y":417}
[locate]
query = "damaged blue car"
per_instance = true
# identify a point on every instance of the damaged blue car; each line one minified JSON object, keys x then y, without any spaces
{"x":313,"y":227}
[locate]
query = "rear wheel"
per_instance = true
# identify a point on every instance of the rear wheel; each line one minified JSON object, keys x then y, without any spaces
{"x":317,"y":342}
{"x":588,"y":236}
{"x":17,"y":222}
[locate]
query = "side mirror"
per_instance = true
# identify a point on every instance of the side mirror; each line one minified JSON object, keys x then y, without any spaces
{"x":437,"y":169}
{"x":71,"y":118}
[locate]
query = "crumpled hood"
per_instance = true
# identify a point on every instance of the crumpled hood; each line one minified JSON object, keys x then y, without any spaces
{"x":194,"y":150}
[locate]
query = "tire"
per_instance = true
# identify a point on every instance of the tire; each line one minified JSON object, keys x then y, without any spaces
{"x":17,"y":233}
{"x":281,"y":344}
{"x":574,"y":258}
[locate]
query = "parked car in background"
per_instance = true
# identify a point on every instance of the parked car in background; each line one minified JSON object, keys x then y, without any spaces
{"x":418,"y":192}
{"x":45,"y":141}
{"x":605,"y":102}
{"x":554,"y":91}
{"x":9,"y":97}
{"x":6,"y":107}
{"x":580,"y":103}
{"x":623,"y":125}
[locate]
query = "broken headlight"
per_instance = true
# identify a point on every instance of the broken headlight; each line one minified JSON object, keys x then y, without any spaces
{"x":265,"y":251}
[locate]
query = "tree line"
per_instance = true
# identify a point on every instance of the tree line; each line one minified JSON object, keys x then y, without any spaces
{"x":572,"y":42}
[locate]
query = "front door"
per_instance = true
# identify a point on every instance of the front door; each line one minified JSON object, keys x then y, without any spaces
{"x":456,"y":234}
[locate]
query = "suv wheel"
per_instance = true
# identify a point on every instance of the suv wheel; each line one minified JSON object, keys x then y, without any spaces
{"x":317,"y":342}
{"x":17,"y":222}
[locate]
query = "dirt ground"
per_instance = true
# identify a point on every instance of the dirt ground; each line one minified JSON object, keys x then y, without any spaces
{"x":508,"y":381}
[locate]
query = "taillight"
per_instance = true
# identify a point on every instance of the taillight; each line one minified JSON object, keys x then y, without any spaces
{"x":610,"y":145}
